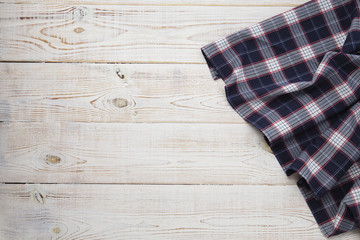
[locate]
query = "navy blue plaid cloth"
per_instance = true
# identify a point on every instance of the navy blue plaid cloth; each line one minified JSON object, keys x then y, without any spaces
{"x":296,"y":78}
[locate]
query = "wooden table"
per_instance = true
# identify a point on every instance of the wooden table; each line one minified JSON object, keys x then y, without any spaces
{"x":112,"y":127}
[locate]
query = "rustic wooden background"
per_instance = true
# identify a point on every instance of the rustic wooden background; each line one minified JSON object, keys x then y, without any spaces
{"x":112,"y":127}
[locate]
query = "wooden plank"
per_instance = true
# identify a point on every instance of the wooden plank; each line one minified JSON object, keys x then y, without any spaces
{"x":112,"y":93}
{"x":162,"y":33}
{"x":59,"y":211}
{"x":163,"y":153}
{"x":288,"y":3}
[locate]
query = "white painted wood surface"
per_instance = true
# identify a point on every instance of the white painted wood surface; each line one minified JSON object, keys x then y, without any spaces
{"x":101,"y":211}
{"x":112,"y":93}
{"x":111,"y":126}
{"x":158,"y":32}
{"x":168,"y":153}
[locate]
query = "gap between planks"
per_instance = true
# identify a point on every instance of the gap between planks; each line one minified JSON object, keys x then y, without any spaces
{"x":99,"y":62}
{"x":190,"y":3}
{"x":158,"y":184}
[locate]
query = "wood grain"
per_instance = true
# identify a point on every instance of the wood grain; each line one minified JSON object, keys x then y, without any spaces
{"x":133,"y":33}
{"x":111,"y":126}
{"x":112,"y":93}
{"x":267,"y":3}
{"x":137,"y":153}
{"x":72,"y":211}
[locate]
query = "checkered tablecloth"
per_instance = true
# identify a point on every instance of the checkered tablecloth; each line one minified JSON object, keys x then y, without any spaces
{"x":296,"y":78}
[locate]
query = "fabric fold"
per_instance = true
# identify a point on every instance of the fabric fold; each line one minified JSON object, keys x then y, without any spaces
{"x":338,"y":210}
{"x":329,"y":155}
{"x":295,"y":77}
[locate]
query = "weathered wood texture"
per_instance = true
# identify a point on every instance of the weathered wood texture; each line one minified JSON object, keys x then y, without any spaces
{"x":159,"y":32}
{"x":112,"y":93}
{"x":137,"y":153}
{"x":82,"y":211}
{"x":128,"y":116}
{"x":231,"y":3}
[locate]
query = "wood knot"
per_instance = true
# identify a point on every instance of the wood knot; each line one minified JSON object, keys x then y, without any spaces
{"x":39,"y":197}
{"x":120,"y":102}
{"x":120,"y":74}
{"x":52,"y":159}
{"x":80,"y":12}
{"x":79,"y":30}
{"x":56,"y":230}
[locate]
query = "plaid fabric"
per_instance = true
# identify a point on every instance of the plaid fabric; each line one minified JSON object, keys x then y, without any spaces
{"x":296,"y":78}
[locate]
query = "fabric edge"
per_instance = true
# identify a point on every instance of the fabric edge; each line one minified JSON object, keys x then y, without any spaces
{"x":211,"y":65}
